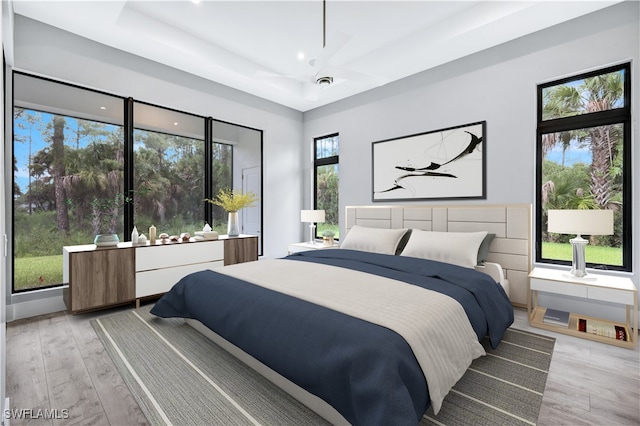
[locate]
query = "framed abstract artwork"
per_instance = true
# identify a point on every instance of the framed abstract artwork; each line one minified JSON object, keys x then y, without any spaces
{"x":441,"y":164}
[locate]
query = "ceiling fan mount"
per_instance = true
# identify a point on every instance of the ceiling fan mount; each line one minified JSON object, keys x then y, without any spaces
{"x":324,"y":81}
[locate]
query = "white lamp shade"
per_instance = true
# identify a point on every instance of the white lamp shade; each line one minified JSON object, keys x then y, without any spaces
{"x":312,"y":216}
{"x":580,"y":222}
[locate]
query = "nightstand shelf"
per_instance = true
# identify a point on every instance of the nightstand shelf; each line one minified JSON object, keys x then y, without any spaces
{"x":594,"y":287}
{"x":536,"y":320}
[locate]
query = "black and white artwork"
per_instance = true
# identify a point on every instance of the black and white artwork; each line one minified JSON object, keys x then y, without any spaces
{"x":446,"y":163}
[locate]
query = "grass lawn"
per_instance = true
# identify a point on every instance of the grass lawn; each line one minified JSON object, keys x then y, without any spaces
{"x":34,"y":272}
{"x":594,"y":254}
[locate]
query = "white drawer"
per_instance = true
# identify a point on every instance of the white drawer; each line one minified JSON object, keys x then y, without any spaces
{"x":159,"y":281}
{"x":170,"y":255}
{"x":558,"y":287}
{"x":610,"y":295}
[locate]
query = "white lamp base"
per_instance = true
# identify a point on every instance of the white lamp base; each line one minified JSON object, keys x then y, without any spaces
{"x":578,"y":264}
{"x":312,"y":230}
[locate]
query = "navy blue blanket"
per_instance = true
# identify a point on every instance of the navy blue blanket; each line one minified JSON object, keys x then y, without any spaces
{"x":367,"y":372}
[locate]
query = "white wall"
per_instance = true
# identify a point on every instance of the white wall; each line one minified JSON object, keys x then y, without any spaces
{"x":497,"y":85}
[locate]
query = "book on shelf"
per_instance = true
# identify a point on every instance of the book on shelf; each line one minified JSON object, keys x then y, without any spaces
{"x":556,"y":317}
{"x":602,"y":328}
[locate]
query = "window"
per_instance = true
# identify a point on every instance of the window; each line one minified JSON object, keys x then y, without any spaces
{"x":325,"y":166}
{"x":68,"y":175}
{"x":168,"y":170}
{"x":87,"y":163}
{"x":584,"y":162}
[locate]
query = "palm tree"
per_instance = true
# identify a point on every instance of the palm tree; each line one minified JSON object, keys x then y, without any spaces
{"x":595,"y":94}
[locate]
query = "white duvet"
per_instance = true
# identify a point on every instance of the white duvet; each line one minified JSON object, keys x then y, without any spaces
{"x":434,"y":325}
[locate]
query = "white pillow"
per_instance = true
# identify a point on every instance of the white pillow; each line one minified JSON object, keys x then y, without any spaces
{"x":459,"y":248}
{"x":374,"y":240}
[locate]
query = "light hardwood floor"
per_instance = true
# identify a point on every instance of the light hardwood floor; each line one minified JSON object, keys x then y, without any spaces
{"x":56,"y":361}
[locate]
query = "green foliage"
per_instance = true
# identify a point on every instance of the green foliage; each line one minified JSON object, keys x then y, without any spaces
{"x":233,"y":200}
{"x":168,"y":182}
{"x":327,"y":192}
{"x":597,"y":185}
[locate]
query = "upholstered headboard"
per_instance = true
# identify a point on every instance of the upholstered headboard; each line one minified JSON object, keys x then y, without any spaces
{"x":511,"y":223}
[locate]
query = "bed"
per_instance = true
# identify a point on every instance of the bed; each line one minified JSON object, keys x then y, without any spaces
{"x":371,"y":333}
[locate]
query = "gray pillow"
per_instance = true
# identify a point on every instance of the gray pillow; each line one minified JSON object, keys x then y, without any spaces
{"x":483,"y":251}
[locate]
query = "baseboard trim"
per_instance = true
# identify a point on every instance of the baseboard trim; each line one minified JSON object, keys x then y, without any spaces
{"x":32,"y":307}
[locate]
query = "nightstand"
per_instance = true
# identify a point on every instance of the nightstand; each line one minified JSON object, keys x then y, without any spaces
{"x":296,"y":247}
{"x":594,"y":287}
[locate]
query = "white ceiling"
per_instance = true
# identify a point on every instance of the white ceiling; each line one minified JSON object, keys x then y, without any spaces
{"x":253,"y":45}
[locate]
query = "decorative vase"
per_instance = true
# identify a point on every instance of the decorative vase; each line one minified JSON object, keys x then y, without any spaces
{"x":233,"y":229}
{"x":106,"y":240}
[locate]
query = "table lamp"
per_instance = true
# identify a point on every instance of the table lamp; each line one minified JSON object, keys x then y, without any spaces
{"x":312,"y":217}
{"x":580,"y":222}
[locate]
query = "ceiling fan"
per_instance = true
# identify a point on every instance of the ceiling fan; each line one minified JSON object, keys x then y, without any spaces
{"x":327,"y":74}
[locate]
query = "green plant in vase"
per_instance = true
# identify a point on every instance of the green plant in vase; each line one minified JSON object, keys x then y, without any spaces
{"x":232,"y":201}
{"x":327,"y":237}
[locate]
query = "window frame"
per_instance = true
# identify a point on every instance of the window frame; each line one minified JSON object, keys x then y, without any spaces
{"x":320,"y":162}
{"x":128,"y":160}
{"x":620,"y":116}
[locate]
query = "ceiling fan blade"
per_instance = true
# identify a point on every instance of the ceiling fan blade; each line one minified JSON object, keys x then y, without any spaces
{"x":347,"y":74}
{"x":335,"y":43}
{"x":263,"y":74}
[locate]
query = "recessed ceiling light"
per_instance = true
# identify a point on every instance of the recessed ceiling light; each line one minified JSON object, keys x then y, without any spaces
{"x":300,"y":56}
{"x":175,"y":123}
{"x":103,"y":107}
{"x":196,"y":1}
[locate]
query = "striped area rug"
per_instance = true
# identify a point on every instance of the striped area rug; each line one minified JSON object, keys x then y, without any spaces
{"x":179,"y":377}
{"x":503,"y":388}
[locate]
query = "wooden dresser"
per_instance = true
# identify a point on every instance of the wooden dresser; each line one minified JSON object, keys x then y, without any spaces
{"x":102,"y":277}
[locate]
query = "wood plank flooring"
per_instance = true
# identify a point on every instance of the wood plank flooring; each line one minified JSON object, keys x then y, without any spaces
{"x":57,"y":362}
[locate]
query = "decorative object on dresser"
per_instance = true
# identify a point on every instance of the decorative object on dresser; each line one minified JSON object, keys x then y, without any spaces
{"x":312,"y":217}
{"x":232,"y":201}
{"x":580,"y":222}
{"x":152,"y":235}
{"x":444,"y":163}
{"x":106,"y":240}
{"x":206,"y":234}
{"x":596,"y":288}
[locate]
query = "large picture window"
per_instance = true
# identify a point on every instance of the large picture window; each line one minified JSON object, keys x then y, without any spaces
{"x":583,"y":162}
{"x":326,"y":150}
{"x":88,"y":163}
